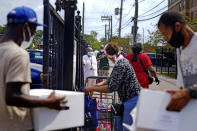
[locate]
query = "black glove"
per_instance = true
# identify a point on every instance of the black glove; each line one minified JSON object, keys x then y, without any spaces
{"x":157,"y":80}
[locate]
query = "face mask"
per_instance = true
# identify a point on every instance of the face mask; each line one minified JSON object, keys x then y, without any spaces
{"x":90,"y":53}
{"x":177,"y":39}
{"x":25,"y":44}
{"x":102,"y":50}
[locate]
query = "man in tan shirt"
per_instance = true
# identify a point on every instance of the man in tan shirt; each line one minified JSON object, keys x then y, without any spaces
{"x":15,"y":75}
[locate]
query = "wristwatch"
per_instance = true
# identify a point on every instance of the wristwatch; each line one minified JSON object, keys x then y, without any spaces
{"x":193,"y":91}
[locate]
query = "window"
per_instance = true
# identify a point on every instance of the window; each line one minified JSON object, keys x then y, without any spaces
{"x":192,"y":3}
{"x":38,"y":55}
{"x":179,"y":6}
{"x":183,"y":5}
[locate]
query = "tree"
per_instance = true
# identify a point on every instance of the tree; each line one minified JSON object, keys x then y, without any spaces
{"x":2,"y":29}
{"x":123,"y":43}
{"x":192,"y":23}
{"x":92,"y":39}
{"x":37,"y":40}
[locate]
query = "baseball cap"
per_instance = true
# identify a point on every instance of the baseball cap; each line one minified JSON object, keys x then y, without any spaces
{"x":23,"y":15}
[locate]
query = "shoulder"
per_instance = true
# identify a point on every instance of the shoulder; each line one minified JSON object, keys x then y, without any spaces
{"x":129,"y":56}
{"x":122,"y":62}
{"x":84,"y":56}
{"x":144,"y":56}
{"x":14,"y":50}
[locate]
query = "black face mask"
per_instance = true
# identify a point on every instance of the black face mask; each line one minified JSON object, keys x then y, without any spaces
{"x":177,"y":39}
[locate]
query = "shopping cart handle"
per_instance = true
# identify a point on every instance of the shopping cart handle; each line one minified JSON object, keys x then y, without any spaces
{"x":97,"y":77}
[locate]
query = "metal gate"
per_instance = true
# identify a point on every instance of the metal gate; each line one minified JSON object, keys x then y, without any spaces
{"x":63,"y":47}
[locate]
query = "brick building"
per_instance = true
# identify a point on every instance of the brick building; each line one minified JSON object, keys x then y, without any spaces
{"x":187,"y":7}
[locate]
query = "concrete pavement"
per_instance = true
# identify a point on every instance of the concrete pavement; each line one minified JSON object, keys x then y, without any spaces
{"x":165,"y":83}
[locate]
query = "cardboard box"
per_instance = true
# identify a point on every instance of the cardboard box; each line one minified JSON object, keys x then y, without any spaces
{"x":48,"y":119}
{"x":152,"y":113}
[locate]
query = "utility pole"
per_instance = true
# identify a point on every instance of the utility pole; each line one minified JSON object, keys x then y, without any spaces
{"x":143,"y":35}
{"x":109,"y":32}
{"x":83,"y":18}
{"x":111,"y":28}
{"x":135,"y":23}
{"x":120,"y":22}
{"x":105,"y":32}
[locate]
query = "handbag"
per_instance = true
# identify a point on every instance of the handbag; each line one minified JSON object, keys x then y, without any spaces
{"x":150,"y":78}
{"x":117,"y":109}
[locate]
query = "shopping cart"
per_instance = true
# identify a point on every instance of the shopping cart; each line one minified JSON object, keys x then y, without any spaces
{"x":103,"y":115}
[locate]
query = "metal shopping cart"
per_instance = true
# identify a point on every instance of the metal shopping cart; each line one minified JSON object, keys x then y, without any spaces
{"x":102,"y":116}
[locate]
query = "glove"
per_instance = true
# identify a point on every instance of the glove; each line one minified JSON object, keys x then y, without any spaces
{"x":157,"y":80}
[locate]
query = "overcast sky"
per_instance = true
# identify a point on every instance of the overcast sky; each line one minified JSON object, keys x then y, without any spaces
{"x":94,"y":9}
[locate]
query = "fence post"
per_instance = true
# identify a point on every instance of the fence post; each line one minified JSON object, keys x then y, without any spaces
{"x":69,"y":7}
{"x":78,"y":61}
{"x":156,"y":62}
{"x":161,"y":59}
{"x":169,"y":61}
{"x":45,"y":44}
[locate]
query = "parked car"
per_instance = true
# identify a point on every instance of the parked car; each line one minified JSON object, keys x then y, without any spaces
{"x":36,"y":57}
{"x":36,"y":70}
{"x":159,"y":59}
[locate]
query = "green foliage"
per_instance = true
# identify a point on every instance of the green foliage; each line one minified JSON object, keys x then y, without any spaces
{"x":123,"y":43}
{"x":92,"y":39}
{"x":192,"y":23}
{"x":38,"y":39}
{"x":2,"y":29}
{"x":155,"y":37}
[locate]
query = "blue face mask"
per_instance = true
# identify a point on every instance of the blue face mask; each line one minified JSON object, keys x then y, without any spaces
{"x":90,"y":53}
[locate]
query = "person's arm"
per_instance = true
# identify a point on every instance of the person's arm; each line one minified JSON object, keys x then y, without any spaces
{"x":102,"y":89}
{"x":153,"y":73}
{"x":15,"y":97}
{"x":18,"y":75}
{"x":179,"y":99}
{"x":101,"y":57}
{"x":102,"y":83}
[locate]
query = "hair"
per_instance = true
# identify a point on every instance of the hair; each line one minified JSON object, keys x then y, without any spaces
{"x":102,"y":47}
{"x":112,"y":49}
{"x":170,"y":18}
{"x":136,"y":48}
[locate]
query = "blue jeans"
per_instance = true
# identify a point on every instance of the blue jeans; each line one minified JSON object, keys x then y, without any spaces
{"x":127,"y":118}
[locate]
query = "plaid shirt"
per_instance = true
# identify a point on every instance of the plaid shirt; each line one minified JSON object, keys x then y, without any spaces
{"x":123,"y":80}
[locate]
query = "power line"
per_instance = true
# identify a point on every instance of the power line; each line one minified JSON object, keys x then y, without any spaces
{"x":152,"y":8}
{"x":152,"y":17}
{"x":155,"y":12}
{"x":129,"y":10}
{"x":111,"y":7}
{"x":107,"y":9}
{"x":103,"y":12}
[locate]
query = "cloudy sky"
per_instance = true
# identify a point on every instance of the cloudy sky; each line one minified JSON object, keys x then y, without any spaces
{"x":94,"y":9}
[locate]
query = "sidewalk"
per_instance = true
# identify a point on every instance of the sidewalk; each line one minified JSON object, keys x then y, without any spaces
{"x":165,"y":83}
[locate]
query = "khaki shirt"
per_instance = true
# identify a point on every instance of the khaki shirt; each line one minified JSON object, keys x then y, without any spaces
{"x":14,"y":67}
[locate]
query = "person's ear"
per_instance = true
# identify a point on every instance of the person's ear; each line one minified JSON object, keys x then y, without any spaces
{"x":26,"y":31}
{"x":177,"y":26}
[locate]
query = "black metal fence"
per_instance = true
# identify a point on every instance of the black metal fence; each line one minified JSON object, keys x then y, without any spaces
{"x":165,"y":61}
{"x":63,"y":47}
